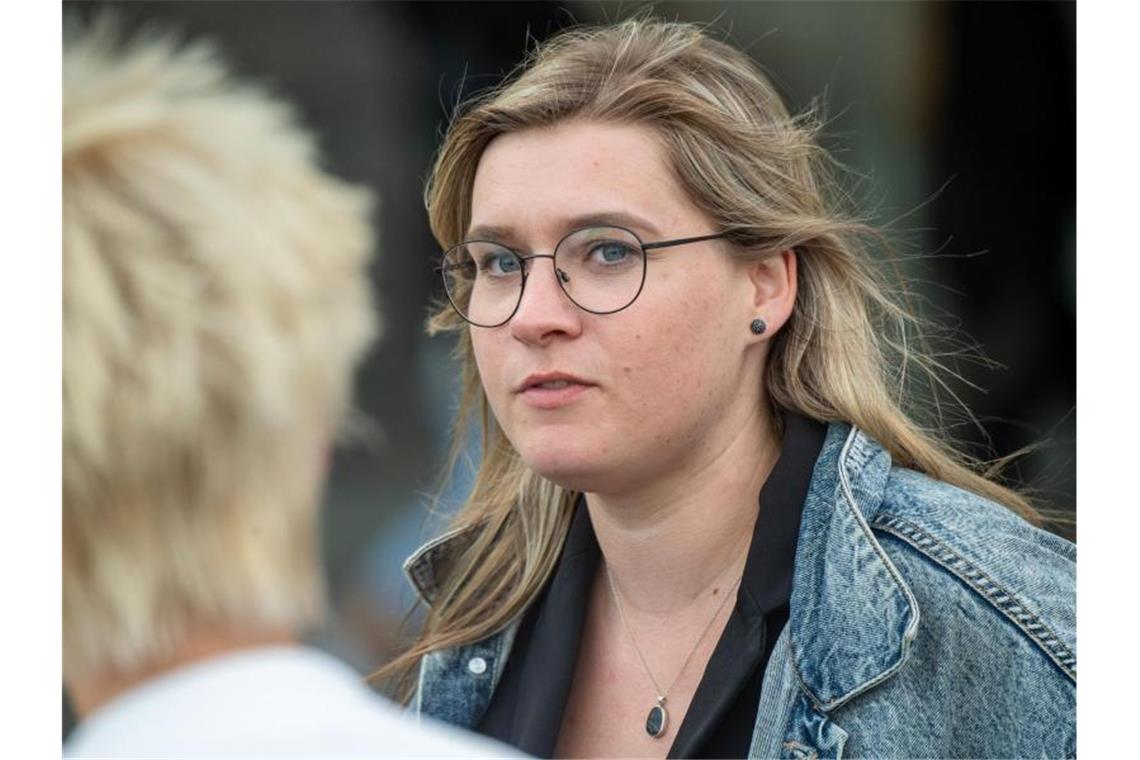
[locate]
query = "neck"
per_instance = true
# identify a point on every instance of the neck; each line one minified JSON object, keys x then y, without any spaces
{"x":673,"y":542}
{"x":90,"y":692}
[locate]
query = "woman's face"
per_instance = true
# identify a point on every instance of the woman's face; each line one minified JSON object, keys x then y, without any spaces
{"x":638,"y":393}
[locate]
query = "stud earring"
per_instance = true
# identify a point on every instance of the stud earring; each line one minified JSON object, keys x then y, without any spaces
{"x":758,"y":326}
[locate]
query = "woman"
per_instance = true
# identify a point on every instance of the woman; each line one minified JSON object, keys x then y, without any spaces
{"x":703,"y":524}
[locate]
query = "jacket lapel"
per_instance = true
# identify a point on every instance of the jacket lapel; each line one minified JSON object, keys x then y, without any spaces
{"x":852,"y":617}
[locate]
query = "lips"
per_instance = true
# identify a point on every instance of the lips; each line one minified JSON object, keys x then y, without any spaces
{"x":550,"y":380}
{"x":550,"y":390}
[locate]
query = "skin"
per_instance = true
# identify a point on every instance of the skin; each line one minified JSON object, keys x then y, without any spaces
{"x":671,"y":440}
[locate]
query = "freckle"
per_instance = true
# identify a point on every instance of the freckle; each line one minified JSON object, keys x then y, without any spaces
{"x":716,"y":591}
{"x":628,"y":369}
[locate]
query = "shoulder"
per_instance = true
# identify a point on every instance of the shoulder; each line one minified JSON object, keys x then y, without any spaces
{"x":971,"y":561}
{"x":280,"y":701}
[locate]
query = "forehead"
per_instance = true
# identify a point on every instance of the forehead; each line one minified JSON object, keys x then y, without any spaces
{"x":539,"y":181}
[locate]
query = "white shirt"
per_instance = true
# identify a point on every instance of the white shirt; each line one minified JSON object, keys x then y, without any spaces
{"x":282,"y":701}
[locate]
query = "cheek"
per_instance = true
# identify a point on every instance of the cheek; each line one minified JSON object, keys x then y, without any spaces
{"x":689,"y":326}
{"x":708,"y":324}
{"x":671,"y":368}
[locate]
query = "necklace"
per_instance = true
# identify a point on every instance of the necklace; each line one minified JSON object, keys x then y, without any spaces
{"x":658,"y":718}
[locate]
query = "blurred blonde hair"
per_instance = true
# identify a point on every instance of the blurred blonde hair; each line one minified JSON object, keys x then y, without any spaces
{"x":215,"y":303}
{"x":848,"y":353}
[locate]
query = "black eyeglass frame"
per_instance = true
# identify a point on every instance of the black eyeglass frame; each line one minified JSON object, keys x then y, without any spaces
{"x":559,"y":275}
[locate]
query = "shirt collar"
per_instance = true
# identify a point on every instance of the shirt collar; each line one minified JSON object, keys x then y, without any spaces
{"x":769,"y":569}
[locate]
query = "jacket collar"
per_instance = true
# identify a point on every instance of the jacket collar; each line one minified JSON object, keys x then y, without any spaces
{"x":852,"y":617}
{"x":428,"y":565}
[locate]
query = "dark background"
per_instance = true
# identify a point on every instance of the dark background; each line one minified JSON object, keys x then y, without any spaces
{"x":957,"y":120}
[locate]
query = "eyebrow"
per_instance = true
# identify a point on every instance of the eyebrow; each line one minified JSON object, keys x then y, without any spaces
{"x":495,"y":233}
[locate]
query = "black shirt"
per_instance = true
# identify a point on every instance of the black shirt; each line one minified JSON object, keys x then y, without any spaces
{"x":526,"y":709}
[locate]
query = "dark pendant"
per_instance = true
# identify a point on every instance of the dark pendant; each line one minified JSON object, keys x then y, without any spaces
{"x":657,"y":720}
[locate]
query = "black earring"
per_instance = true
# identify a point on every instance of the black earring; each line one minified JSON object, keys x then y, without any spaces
{"x":758,"y":326}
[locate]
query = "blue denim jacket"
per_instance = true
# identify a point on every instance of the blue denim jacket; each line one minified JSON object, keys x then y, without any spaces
{"x":925,"y":621}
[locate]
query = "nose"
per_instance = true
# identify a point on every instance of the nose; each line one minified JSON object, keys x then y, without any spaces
{"x":545,"y":311}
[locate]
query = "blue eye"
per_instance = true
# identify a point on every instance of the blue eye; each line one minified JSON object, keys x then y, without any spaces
{"x":500,"y":263}
{"x":611,"y":253}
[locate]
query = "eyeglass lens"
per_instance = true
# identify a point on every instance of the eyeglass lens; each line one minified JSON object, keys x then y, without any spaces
{"x":601,"y":269}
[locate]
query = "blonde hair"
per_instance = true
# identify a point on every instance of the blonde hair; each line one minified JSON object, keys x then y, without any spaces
{"x":215,"y":303}
{"x":761,"y":175}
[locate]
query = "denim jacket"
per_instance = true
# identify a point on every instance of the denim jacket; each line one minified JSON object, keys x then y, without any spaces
{"x":925,"y":621}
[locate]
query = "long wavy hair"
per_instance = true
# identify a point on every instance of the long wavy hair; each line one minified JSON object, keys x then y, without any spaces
{"x":850,"y":352}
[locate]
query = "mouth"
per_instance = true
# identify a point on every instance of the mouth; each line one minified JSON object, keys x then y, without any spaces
{"x":551,"y":390}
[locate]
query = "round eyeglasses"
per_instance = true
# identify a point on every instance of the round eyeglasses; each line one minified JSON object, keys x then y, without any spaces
{"x":600,"y":269}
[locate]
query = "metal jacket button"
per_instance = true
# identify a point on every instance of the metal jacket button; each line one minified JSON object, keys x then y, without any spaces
{"x":477,"y":665}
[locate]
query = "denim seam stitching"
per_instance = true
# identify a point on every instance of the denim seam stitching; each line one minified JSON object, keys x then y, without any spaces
{"x":854,"y":441}
{"x":1000,"y":597}
{"x":856,"y":450}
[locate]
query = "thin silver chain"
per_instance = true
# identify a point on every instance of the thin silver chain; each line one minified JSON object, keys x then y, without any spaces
{"x":661,"y":695}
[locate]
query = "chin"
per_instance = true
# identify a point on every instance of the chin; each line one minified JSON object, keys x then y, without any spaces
{"x":570,"y":461}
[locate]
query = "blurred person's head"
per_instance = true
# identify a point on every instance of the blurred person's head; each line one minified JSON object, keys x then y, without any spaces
{"x":660,"y":129}
{"x":215,"y":305}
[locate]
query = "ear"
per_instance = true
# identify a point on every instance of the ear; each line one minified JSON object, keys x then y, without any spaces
{"x":773,"y":281}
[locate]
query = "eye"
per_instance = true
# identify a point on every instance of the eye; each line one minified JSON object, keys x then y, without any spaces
{"x":611,"y":253}
{"x":500,"y":264}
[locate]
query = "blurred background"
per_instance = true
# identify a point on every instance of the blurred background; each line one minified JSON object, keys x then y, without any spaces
{"x":958,"y":121}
